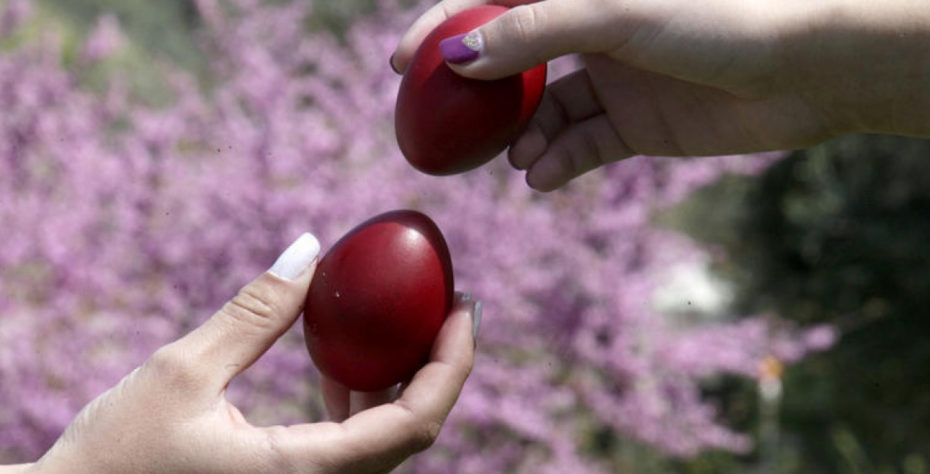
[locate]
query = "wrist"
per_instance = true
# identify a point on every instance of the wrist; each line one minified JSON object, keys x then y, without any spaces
{"x":863,"y":65}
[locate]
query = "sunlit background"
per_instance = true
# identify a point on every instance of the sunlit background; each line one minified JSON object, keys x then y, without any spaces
{"x":762,"y":314}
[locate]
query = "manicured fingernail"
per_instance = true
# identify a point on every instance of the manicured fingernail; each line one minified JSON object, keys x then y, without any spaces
{"x":393,"y":67}
{"x":467,"y":298}
{"x":461,"y":49}
{"x":296,"y":258}
{"x":476,"y":321}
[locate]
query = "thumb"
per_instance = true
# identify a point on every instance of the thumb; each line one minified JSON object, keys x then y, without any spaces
{"x":247,"y":326}
{"x":528,"y":35}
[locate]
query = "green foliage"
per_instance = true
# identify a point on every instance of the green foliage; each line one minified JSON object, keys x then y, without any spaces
{"x":161,"y":35}
{"x":336,"y":16}
{"x":158,"y":28}
{"x":156,"y":37}
{"x":839,"y":233}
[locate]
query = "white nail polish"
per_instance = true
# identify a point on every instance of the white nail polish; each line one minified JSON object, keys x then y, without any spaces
{"x":296,"y":258}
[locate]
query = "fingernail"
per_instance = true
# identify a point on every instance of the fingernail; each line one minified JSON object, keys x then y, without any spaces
{"x":476,"y":321}
{"x":467,"y":298}
{"x":296,"y":258}
{"x":391,"y":62}
{"x":461,"y":49}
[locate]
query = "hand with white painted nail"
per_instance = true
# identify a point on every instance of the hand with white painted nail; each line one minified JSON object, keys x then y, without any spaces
{"x":685,"y":78}
{"x":171,"y":415}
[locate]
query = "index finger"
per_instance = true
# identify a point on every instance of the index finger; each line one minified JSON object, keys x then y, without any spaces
{"x":412,"y":423}
{"x":380,"y":438}
{"x":431,"y":19}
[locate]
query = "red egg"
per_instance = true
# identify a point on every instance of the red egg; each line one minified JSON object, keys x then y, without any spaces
{"x":377,"y":301}
{"x":448,"y":124}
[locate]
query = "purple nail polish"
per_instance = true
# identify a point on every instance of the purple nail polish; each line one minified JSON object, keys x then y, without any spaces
{"x":461,"y":49}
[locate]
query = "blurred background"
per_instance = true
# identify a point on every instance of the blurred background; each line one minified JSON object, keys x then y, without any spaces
{"x":762,"y":313}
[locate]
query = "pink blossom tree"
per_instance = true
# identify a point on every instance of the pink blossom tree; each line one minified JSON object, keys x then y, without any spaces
{"x":125,"y":226}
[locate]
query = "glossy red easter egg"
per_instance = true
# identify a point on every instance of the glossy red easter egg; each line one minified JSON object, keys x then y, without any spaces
{"x":448,"y":124}
{"x":377,"y":301}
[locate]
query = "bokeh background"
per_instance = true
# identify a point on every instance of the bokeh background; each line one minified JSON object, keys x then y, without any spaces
{"x":761,"y":313}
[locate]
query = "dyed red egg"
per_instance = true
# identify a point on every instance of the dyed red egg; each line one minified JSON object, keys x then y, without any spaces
{"x":378,"y":300}
{"x":448,"y":124}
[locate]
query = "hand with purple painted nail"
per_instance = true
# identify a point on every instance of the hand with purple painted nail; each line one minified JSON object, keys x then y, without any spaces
{"x":171,"y":414}
{"x":448,"y":124}
{"x":684,"y":78}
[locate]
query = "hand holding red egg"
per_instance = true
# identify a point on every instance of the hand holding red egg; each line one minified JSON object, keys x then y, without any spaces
{"x":448,"y":124}
{"x":378,"y":300}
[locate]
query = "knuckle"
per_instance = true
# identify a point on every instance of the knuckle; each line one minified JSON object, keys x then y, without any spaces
{"x":525,"y":23}
{"x":468,"y":367}
{"x":277,"y":456}
{"x":425,"y":436}
{"x":167,"y":359}
{"x":585,"y":155}
{"x":172,"y":367}
{"x":592,"y":154}
{"x":252,"y":308}
{"x":421,"y":431}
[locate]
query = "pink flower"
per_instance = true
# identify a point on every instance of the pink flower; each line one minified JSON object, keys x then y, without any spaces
{"x":126,"y":226}
{"x":105,"y":39}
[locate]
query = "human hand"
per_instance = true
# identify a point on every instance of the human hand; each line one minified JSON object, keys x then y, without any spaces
{"x":171,"y":415}
{"x":684,"y":78}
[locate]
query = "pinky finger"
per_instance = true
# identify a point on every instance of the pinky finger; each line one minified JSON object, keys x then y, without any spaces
{"x":584,"y":146}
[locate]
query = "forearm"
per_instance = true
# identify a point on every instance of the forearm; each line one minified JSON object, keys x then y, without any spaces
{"x":865,"y":64}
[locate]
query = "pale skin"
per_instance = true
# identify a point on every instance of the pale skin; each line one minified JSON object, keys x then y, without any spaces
{"x":171,"y":414}
{"x":660,"y":77}
{"x":685,"y":78}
